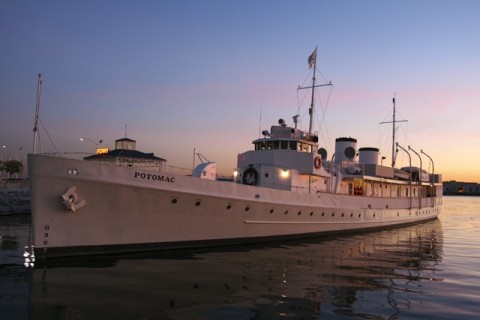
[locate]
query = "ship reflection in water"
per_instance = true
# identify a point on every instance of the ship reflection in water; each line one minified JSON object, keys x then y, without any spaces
{"x":369,"y":275}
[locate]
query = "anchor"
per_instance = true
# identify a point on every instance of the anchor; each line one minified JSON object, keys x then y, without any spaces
{"x":70,"y":200}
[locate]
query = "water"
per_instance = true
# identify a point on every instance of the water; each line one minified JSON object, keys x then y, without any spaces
{"x":425,"y":271}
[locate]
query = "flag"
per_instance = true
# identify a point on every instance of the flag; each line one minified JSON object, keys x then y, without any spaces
{"x":312,"y":59}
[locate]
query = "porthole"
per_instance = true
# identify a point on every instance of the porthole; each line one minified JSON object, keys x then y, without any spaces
{"x":351,"y":215}
{"x":343,"y":215}
{"x":198,"y":203}
{"x":174,"y":200}
{"x":333,"y":214}
{"x":286,"y":211}
{"x":311,"y":213}
{"x":299,"y":212}
{"x":229,"y":206}
{"x":271,"y":210}
{"x":323,"y":213}
{"x":247,"y":208}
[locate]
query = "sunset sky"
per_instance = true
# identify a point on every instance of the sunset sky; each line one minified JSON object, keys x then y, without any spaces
{"x":211,"y":75}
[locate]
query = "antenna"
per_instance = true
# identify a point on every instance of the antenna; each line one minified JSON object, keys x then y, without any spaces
{"x":260,"y":123}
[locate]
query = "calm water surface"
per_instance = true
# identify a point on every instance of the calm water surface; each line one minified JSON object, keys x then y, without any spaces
{"x":426,"y":271}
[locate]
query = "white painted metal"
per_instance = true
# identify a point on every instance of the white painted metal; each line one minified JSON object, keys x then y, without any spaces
{"x":126,"y":206}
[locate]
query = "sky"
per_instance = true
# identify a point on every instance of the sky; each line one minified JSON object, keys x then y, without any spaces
{"x":185,"y":75}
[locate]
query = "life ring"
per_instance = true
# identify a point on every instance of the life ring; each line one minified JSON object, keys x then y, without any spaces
{"x":250,"y":177}
{"x":317,"y":162}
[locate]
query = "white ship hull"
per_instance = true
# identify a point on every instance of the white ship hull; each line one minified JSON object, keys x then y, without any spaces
{"x":122,"y":209}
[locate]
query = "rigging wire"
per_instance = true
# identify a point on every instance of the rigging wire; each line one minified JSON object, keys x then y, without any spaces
{"x":326,"y":140}
{"x":301,"y":103}
{"x":321,"y":122}
{"x":49,"y":137}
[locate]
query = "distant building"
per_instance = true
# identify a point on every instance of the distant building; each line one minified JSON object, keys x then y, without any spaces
{"x":125,"y":154}
{"x":461,"y":188}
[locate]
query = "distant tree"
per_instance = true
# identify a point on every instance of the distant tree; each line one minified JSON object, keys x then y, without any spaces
{"x":12,"y":167}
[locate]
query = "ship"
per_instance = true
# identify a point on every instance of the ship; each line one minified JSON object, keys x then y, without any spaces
{"x":285,"y":188}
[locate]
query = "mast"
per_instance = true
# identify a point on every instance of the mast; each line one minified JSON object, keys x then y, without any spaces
{"x":394,"y":130}
{"x":312,"y":58}
{"x":312,"y":61}
{"x":37,"y":113}
{"x":394,"y":157}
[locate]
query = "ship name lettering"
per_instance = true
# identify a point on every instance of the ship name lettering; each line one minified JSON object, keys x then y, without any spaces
{"x":155,"y":177}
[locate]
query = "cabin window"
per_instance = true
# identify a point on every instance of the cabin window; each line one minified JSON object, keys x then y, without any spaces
{"x":284,"y":144}
{"x":293,"y":145}
{"x":357,"y":187}
{"x":276,"y":144}
{"x":303,"y":147}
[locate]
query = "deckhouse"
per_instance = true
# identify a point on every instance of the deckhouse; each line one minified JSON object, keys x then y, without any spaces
{"x":125,"y":154}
